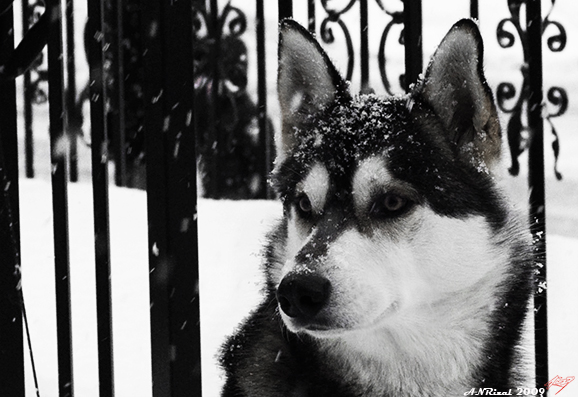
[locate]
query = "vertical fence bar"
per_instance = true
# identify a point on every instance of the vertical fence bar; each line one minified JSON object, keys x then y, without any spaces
{"x":311,"y":16}
{"x":264,"y":133}
{"x":28,"y":134}
{"x":71,"y":88}
{"x":11,"y":337}
{"x":185,"y":329}
{"x":285,"y":9}
{"x":413,"y":43}
{"x":364,"y":50}
{"x":156,"y":188}
{"x":536,"y":183}
{"x":99,"y":139}
{"x":171,"y":198}
{"x":59,"y":198}
{"x":27,"y":102}
{"x":117,"y":116}
{"x":214,"y":130}
{"x":474,"y":9}
{"x":11,"y":340}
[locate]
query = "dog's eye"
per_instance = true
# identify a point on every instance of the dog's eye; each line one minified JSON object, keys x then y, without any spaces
{"x":389,"y":205}
{"x":304,"y":205}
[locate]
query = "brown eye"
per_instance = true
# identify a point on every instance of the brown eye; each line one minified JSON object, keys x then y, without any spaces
{"x":389,"y":205}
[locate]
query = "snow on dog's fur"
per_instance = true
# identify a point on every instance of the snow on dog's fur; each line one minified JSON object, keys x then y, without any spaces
{"x":399,"y":269}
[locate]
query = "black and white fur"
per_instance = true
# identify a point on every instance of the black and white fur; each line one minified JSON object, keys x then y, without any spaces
{"x":399,"y":269}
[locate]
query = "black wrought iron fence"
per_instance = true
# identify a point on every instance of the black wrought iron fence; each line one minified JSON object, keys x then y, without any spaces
{"x":168,"y":86}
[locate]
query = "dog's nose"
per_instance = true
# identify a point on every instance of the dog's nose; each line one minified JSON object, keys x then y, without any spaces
{"x":303,"y":296}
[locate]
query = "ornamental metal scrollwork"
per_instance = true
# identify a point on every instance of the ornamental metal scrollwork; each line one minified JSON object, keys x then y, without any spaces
{"x":38,"y":75}
{"x":220,"y":56}
{"x":226,"y":118}
{"x":396,"y":19}
{"x":334,"y":18}
{"x":326,"y":31}
{"x":220,"y":69}
{"x":512,"y":102}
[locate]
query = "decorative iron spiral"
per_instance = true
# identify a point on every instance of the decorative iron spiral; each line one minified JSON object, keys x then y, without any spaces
{"x":38,"y":75}
{"x":396,"y":19}
{"x":512,"y":102}
{"x":326,"y":31}
{"x":334,"y":19}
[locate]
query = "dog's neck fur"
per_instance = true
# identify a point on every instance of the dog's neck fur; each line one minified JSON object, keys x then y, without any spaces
{"x":425,"y":355}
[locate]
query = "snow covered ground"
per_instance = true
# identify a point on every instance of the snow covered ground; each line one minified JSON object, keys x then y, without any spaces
{"x":231,"y":234}
{"x":229,"y":282}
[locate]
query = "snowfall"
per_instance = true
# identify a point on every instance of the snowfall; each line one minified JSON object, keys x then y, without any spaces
{"x":232,"y":233}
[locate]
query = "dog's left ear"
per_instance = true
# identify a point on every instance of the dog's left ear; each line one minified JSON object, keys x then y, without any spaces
{"x":456,"y":89}
{"x":307,"y":81}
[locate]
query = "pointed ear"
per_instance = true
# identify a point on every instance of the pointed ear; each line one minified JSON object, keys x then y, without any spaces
{"x":455,"y":87}
{"x":307,"y":81}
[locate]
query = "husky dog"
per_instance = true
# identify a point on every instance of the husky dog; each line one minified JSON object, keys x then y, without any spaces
{"x":398,"y":269}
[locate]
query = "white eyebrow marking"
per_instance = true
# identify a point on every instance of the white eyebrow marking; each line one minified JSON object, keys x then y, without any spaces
{"x":372,"y":173}
{"x":316,"y":186}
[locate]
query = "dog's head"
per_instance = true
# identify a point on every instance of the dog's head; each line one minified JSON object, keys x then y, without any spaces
{"x":390,"y":203}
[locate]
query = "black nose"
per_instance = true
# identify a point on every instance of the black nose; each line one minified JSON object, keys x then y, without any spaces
{"x":303,"y":295}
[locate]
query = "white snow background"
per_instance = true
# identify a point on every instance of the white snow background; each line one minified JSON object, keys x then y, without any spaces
{"x":231,"y":234}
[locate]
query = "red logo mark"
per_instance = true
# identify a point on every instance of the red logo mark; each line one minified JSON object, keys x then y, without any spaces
{"x":560,"y":382}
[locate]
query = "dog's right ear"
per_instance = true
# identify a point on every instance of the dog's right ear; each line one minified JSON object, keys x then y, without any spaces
{"x":456,"y":89}
{"x":307,"y":81}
